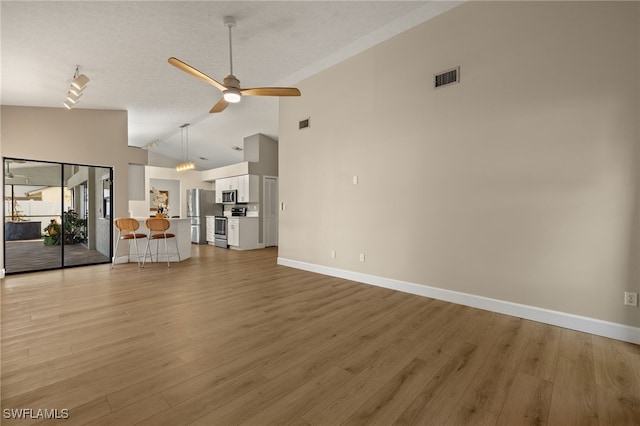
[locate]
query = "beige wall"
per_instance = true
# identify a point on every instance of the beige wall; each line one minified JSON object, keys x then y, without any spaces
{"x":92,"y":137}
{"x":636,"y":246}
{"x":517,"y":184}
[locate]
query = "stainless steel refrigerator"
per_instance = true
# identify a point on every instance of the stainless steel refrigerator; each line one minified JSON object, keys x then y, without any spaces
{"x":201,"y":203}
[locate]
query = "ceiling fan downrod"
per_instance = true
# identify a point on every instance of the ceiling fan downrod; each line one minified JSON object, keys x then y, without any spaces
{"x":230,"y":22}
{"x":232,"y":94}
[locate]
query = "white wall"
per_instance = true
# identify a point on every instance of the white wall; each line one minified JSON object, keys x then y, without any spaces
{"x":177,"y":198}
{"x":518,"y":184}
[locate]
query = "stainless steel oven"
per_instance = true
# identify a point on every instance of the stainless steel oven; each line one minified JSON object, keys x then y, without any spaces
{"x":220,"y":239}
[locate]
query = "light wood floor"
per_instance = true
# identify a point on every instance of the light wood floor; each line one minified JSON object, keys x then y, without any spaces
{"x":230,"y":338}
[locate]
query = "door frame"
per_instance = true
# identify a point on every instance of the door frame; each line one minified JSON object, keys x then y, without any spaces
{"x":63,"y":184}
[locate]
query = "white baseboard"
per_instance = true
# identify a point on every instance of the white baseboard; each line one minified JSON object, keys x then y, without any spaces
{"x":2,"y":273}
{"x":561,"y":319}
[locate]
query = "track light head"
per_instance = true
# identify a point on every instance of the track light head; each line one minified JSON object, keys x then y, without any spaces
{"x":73,"y":98}
{"x":80,"y":82}
{"x":73,"y":89}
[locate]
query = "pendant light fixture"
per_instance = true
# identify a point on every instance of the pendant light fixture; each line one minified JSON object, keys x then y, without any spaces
{"x":187,"y":165}
{"x":76,"y":88}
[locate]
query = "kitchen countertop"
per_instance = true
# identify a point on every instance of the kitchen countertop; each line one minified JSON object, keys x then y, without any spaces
{"x":181,"y":227}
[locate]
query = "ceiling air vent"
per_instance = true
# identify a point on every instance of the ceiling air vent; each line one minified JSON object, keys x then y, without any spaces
{"x":303,"y":124}
{"x":447,"y":77}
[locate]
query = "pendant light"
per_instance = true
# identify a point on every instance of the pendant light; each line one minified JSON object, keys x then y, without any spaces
{"x":187,"y":165}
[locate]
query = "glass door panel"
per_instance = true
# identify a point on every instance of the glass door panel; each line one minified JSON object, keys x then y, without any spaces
{"x":86,"y":228}
{"x":33,"y":215}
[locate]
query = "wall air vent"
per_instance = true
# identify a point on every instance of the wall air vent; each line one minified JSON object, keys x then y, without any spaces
{"x":303,"y":124}
{"x":447,"y":77}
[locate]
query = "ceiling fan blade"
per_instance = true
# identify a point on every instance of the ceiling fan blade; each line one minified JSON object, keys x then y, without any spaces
{"x":220,"y":106}
{"x":271,"y":91}
{"x":194,"y":72}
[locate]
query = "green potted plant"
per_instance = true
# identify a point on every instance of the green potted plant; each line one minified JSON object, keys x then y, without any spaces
{"x":73,"y":226}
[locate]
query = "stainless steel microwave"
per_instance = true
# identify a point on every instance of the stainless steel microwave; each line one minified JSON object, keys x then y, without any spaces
{"x":229,"y":196}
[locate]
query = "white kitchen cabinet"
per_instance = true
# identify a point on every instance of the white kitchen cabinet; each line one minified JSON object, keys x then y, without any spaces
{"x":225,"y":184}
{"x":232,"y":182}
{"x":211,"y":229}
{"x":243,"y":189}
{"x":248,"y":189}
{"x":242,"y":233}
{"x":233,"y":232}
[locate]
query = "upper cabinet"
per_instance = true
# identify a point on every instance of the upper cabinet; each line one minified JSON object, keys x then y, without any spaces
{"x":248,"y":187}
{"x":225,"y":184}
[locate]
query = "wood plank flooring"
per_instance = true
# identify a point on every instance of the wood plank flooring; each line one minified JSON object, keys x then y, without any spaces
{"x":231,"y":338}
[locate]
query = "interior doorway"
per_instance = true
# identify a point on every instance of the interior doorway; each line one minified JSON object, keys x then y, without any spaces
{"x":54,"y":215}
{"x":270,"y":224}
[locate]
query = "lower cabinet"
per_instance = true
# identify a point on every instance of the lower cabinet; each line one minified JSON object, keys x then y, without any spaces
{"x":211,"y":229}
{"x":233,"y":232}
{"x":243,"y":233}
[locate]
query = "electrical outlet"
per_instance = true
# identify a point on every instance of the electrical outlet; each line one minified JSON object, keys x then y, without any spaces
{"x":630,"y":298}
{"x":333,"y":254}
{"x":361,"y":257}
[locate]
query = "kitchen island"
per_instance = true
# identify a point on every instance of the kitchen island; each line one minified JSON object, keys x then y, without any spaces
{"x":180,"y":227}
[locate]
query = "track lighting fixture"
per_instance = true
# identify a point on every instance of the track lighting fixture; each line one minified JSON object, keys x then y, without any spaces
{"x":76,"y":88}
{"x":187,"y":165}
{"x":150,"y":145}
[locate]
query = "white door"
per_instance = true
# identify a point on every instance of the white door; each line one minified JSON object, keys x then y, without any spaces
{"x":270,"y":223}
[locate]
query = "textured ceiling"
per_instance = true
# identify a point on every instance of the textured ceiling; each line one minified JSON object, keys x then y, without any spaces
{"x":123,"y":48}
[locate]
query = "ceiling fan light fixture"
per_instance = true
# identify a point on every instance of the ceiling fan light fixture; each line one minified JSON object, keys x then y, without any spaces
{"x":231,"y":90}
{"x":232,"y":95}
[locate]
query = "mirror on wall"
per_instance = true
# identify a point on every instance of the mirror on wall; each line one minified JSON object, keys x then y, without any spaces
{"x":54,"y":215}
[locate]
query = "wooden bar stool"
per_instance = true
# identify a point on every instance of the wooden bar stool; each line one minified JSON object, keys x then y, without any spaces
{"x":158,"y":231}
{"x":127,"y":228}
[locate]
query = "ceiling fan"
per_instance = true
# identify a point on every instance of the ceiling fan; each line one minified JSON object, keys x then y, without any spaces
{"x":231,"y":90}
{"x":8,"y":174}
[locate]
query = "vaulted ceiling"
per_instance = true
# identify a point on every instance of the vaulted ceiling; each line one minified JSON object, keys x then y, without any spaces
{"x":123,"y":48}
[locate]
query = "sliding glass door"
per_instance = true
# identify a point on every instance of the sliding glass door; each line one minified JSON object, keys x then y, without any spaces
{"x":55,"y":215}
